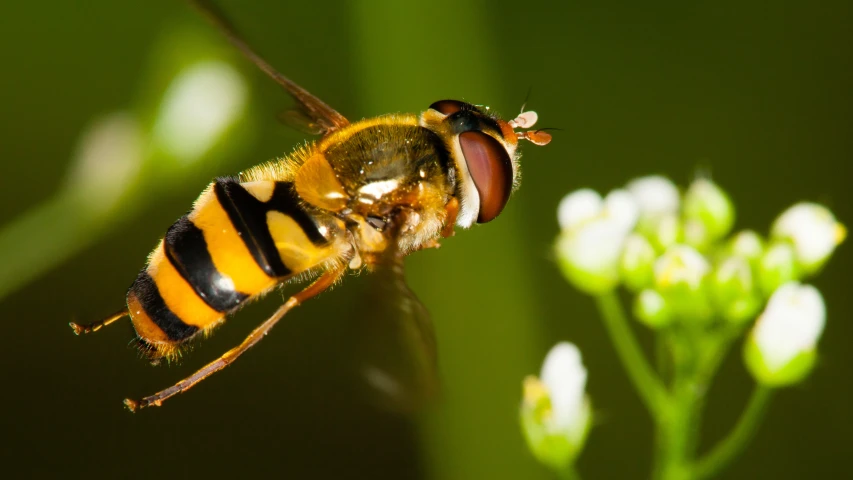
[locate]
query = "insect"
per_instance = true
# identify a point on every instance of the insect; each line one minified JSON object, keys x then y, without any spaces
{"x":364,"y":196}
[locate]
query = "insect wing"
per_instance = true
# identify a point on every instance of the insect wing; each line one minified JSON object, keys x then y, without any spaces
{"x":323,"y":116}
{"x":297,"y":119}
{"x":394,"y":342}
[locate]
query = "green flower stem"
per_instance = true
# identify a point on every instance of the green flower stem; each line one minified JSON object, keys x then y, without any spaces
{"x":737,"y":440}
{"x":42,"y":238}
{"x":647,"y":383}
{"x":679,"y":429}
{"x":569,"y":473}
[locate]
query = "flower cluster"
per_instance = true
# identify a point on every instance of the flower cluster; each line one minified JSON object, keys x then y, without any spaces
{"x":697,"y":284}
{"x":676,"y":253}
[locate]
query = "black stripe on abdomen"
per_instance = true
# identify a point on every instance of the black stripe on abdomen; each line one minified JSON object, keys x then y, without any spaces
{"x":285,"y":200}
{"x":249,"y":217}
{"x":186,"y":250}
{"x":149,"y":298}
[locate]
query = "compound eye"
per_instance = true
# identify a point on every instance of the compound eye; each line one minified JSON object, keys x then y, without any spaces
{"x":448,"y":107}
{"x":491,"y":168}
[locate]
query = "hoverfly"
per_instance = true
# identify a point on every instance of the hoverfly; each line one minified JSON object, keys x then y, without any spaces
{"x":364,"y":196}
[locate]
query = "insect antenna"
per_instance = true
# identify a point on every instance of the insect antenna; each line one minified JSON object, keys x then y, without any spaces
{"x":94,"y":327}
{"x":526,"y":98}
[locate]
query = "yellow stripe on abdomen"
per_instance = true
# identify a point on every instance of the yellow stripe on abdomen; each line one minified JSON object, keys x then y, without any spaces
{"x":295,"y":248}
{"x":227,"y":248}
{"x":178,"y":295}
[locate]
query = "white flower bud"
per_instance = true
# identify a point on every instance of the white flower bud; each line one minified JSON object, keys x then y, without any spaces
{"x":708,"y":204}
{"x":681,"y":265}
{"x":564,"y":375}
{"x":735,"y":292}
{"x":651,"y":309}
{"x":665,"y":232}
{"x":591,"y":243}
{"x":656,"y":196}
{"x":747,"y":244}
{"x":555,"y":412}
{"x":813,"y":231}
{"x":636,"y":264}
{"x":107,"y":160}
{"x":777,"y":266}
{"x":578,"y":207}
{"x":781,"y":348}
{"x":200,"y":105}
{"x":680,"y":277}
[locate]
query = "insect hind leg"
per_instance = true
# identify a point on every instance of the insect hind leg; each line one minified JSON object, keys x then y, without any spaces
{"x":94,"y":327}
{"x":318,"y":286}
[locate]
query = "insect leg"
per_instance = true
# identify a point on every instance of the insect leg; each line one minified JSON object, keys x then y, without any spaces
{"x":318,"y":286}
{"x":452,"y":209}
{"x":94,"y":327}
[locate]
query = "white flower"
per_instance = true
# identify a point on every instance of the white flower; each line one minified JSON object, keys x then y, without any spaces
{"x":594,"y":232}
{"x":708,"y":205}
{"x":637,"y":262}
{"x":790,"y":325}
{"x":555,"y":412}
{"x":734,"y":289}
{"x":681,"y":265}
{"x":651,"y":309}
{"x":656,"y":195}
{"x":747,"y":244}
{"x":681,"y":278}
{"x":107,"y":160}
{"x":777,"y":266}
{"x":564,"y":376}
{"x":813,"y":231}
{"x":665,"y":231}
{"x":199,"y":106}
{"x":578,"y":207}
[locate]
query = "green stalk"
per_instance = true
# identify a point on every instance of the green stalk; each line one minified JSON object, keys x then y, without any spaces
{"x":42,"y":238}
{"x":569,"y":473}
{"x":680,"y":428}
{"x":737,"y":440}
{"x":645,"y":380}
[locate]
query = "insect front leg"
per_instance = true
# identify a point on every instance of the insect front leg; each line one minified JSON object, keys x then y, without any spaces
{"x":318,"y":286}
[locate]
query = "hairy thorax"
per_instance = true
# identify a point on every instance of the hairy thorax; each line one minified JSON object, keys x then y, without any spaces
{"x":363,"y":178}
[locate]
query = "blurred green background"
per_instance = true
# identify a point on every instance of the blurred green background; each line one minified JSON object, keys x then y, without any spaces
{"x":759,"y":95}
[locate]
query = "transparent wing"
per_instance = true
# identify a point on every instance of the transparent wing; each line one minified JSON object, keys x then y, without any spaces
{"x":299,"y":120}
{"x":395,"y":348}
{"x":323,"y":118}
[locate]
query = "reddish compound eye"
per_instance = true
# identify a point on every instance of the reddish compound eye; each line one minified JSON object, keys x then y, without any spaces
{"x":491,"y":168}
{"x":448,"y":107}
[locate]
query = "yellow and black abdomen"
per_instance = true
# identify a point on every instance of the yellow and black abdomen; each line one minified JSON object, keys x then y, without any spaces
{"x":239,"y":240}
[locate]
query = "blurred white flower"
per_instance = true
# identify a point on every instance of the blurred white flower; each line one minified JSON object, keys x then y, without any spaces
{"x":813,"y":231}
{"x":200,"y":105}
{"x":787,"y":331}
{"x":651,"y":309}
{"x":594,"y":231}
{"x":656,"y":196}
{"x":107,"y":160}
{"x":578,"y":207}
{"x":777,"y":266}
{"x":665,"y":231}
{"x":564,"y":376}
{"x":681,"y":265}
{"x":637,"y":262}
{"x":747,"y":244}
{"x":680,"y":277}
{"x":734,"y":289}
{"x":555,"y":411}
{"x":706,"y":204}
